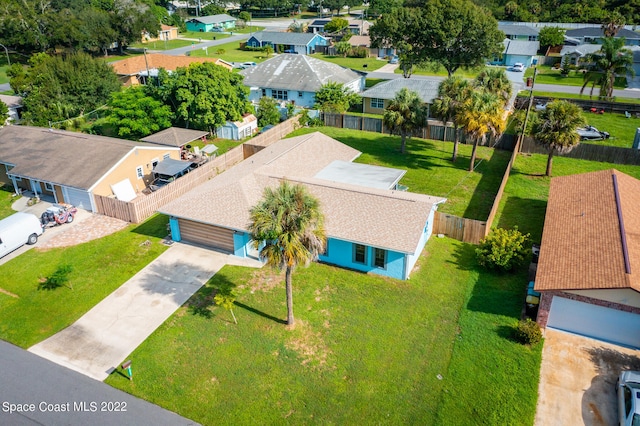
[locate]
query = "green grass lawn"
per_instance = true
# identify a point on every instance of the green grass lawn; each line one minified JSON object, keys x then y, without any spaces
{"x":429,"y":168}
{"x":3,"y":73}
{"x":29,"y":315}
{"x":372,"y":64}
{"x":365,"y":349}
{"x":440,"y":71}
{"x":232,"y":53}
{"x":621,"y":128}
{"x":204,"y":36}
{"x":162,"y":45}
{"x":525,"y":197}
{"x":547,"y":75}
{"x":586,"y":97}
{"x":6,"y":200}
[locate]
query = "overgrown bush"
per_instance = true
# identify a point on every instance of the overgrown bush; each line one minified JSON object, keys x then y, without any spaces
{"x":503,"y":249}
{"x":358,"y":52}
{"x":528,"y":332}
{"x":58,"y":279}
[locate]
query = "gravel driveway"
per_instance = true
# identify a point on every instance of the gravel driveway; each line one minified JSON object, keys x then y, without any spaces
{"x":578,"y":378}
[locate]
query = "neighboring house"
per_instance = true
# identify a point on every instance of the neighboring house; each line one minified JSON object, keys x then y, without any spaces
{"x":589,"y":265}
{"x":297,"y":78}
{"x":518,"y":51}
{"x":594,"y":35}
{"x":377,"y":98}
{"x":575,"y":53}
{"x":301,"y":43}
{"x":371,"y":227}
{"x":519,"y":32}
{"x":132,"y":71}
{"x":237,"y":130}
{"x":166,"y":33}
{"x":365,"y":41}
{"x":71,"y":167}
{"x":14,"y":103}
{"x":211,"y":23}
{"x":356,"y":26}
{"x":633,"y":81}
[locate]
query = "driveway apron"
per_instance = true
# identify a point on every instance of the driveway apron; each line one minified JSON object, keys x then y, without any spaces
{"x":101,"y":339}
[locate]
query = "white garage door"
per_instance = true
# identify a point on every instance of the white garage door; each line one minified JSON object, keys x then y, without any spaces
{"x":601,"y":323}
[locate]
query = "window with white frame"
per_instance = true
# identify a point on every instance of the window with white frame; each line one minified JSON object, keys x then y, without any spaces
{"x":139,"y":172}
{"x":48,"y":186}
{"x":283,"y":95}
{"x":379,"y":258}
{"x":377,"y":103}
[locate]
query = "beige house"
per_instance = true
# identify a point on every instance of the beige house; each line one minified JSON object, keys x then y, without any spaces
{"x":68,"y":167}
{"x":134,"y":70}
{"x":166,"y":33}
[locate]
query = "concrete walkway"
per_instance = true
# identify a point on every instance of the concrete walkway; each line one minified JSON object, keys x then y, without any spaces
{"x":100,"y":340}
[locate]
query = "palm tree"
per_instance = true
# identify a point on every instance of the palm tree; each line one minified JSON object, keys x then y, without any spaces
{"x":404,"y":114}
{"x":494,"y":80}
{"x":556,"y":128}
{"x":481,"y":113}
{"x":452,"y":93}
{"x":289,"y":223}
{"x":606,"y":64}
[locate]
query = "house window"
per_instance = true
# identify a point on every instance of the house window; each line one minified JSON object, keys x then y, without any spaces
{"x":166,"y":156}
{"x":264,"y":92}
{"x":359,"y":253}
{"x":533,"y":38}
{"x":280,"y":94}
{"x":299,"y":94}
{"x":377,"y":103}
{"x":48,"y":186}
{"x":379,"y":258}
{"x":139,"y":172}
{"x":154,"y":162}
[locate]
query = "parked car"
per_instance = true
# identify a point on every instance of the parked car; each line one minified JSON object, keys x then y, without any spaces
{"x":394,"y":59}
{"x":247,"y":65}
{"x":17,"y":230}
{"x":590,"y":133}
{"x":517,"y":67}
{"x":628,"y":390}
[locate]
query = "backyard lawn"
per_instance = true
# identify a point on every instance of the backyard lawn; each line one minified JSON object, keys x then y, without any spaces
{"x":621,"y":128}
{"x":576,"y":96}
{"x":372,"y":64}
{"x":547,"y":75}
{"x":365,"y":349}
{"x":232,"y":53}
{"x":429,"y":168}
{"x":29,"y":315}
{"x":162,"y":45}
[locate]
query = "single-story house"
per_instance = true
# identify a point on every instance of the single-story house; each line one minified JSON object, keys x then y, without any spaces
{"x":301,"y":43}
{"x":14,"y":104}
{"x":589,"y":266}
{"x":237,"y":130}
{"x":377,"y":98}
{"x":356,"y":26}
{"x":371,"y":226}
{"x":596,"y":34}
{"x":525,"y":52}
{"x":297,"y":78}
{"x":519,"y":32}
{"x":633,"y":81}
{"x":205,"y":24}
{"x":365,"y":41}
{"x":132,"y":71}
{"x":576,"y":52}
{"x":166,"y":33}
{"x":72,"y":167}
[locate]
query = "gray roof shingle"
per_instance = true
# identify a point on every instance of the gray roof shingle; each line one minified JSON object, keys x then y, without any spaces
{"x":278,"y":37}
{"x":598,"y":32}
{"x":427,"y":89}
{"x":521,"y":47}
{"x":214,"y":19}
{"x":175,"y":136}
{"x":518,"y":30}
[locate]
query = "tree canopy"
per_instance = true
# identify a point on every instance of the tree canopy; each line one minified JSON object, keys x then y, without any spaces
{"x":404,"y":114}
{"x":136,"y":114}
{"x":334,"y":97}
{"x":603,"y":66}
{"x":267,"y":112}
{"x":452,"y":93}
{"x":336,"y":25}
{"x":551,"y":36}
{"x":453,"y":33}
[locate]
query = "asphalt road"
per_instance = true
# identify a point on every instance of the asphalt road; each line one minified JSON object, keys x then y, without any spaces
{"x":34,"y":391}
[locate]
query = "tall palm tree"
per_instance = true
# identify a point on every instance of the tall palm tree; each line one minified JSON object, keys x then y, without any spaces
{"x":404,"y":114}
{"x":606,"y":64}
{"x":452,"y":93}
{"x":289,"y":222}
{"x":556,"y":128}
{"x":481,"y":114}
{"x":494,"y":80}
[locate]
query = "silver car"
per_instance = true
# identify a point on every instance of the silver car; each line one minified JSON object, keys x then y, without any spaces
{"x":629,"y":398}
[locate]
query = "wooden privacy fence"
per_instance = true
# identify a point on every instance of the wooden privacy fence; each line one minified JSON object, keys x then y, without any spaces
{"x":589,"y":151}
{"x":459,"y":228}
{"x":143,"y":206}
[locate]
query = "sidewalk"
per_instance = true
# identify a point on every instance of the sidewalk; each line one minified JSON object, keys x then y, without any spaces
{"x":100,"y":340}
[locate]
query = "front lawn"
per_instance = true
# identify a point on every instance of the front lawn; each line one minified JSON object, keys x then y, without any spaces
{"x":429,"y":168}
{"x":548,"y":75}
{"x":29,"y":315}
{"x":439,"y":71}
{"x":360,"y":64}
{"x":585,"y":97}
{"x":231,"y":53}
{"x":365,"y":349}
{"x":6,"y":201}
{"x":162,"y":44}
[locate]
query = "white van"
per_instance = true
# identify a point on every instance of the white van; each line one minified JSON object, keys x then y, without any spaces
{"x":17,"y":230}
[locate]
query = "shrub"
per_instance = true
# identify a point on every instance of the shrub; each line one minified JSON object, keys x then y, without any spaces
{"x":59,"y":278}
{"x":503,"y":249}
{"x":357,"y":52}
{"x":528,"y":332}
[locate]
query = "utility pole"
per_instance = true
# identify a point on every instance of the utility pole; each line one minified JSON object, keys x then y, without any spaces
{"x":7,"y":52}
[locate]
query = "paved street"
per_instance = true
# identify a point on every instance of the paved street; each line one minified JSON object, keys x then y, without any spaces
{"x":28,"y":379}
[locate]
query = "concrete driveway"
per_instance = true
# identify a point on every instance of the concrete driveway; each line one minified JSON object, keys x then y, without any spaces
{"x":101,"y":339}
{"x":578,"y":378}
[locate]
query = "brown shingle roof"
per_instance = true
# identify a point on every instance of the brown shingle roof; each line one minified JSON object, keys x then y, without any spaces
{"x":582,"y":247}
{"x":175,"y":136}
{"x":137,"y":64}
{"x":381,"y":218}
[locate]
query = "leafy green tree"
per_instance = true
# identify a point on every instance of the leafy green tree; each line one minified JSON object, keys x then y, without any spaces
{"x":334,"y":97}
{"x":343,"y":47}
{"x":380,"y":7}
{"x":268,"y":50}
{"x":129,"y":19}
{"x":503,"y":249}
{"x":404,"y":114}
{"x":551,"y":36}
{"x":336,"y":25}
{"x":203,"y":96}
{"x":268,"y":112}
{"x":481,"y":113}
{"x":289,"y":223}
{"x":556,"y":128}
{"x":4,"y":113}
{"x":452,"y":94}
{"x":494,"y":80}
{"x":60,"y":87}
{"x":136,"y":115}
{"x":212,"y":9}
{"x":245,"y":16}
{"x":603,"y":66}
{"x":226,"y":300}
